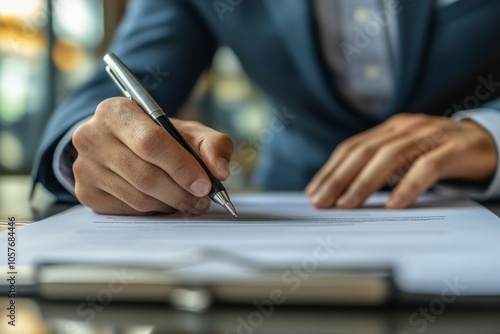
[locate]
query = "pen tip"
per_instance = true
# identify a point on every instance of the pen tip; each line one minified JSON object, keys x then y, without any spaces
{"x":230,"y":207}
{"x":222,"y":199}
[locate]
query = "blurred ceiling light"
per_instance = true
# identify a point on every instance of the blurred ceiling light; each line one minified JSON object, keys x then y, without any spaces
{"x":20,"y":8}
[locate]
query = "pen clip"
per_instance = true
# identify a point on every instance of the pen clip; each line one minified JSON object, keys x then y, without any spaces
{"x":118,"y":82}
{"x":130,"y":86}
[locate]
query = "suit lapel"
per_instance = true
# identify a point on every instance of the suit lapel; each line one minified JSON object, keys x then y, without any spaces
{"x":413,"y":23}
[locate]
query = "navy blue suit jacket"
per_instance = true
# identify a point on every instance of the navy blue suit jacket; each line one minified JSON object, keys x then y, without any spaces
{"x":441,"y":53}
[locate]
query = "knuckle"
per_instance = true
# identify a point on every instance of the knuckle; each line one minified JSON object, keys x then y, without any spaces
{"x":336,"y":183}
{"x":344,"y":147}
{"x":146,"y":142}
{"x":389,"y":152}
{"x":83,"y":194}
{"x":78,"y":168}
{"x":179,"y":169}
{"x":104,"y":107}
{"x":225,"y":141}
{"x":145,"y":178}
{"x":405,"y":121}
{"x":430,"y":164}
{"x":106,"y":110}
{"x":110,"y":104}
{"x":82,"y":138}
{"x":114,"y":110}
{"x":366,"y":150}
{"x":435,"y":129}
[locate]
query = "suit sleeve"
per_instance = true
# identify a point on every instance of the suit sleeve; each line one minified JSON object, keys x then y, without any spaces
{"x":165,"y":44}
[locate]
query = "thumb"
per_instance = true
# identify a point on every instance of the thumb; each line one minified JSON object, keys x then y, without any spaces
{"x":213,"y":147}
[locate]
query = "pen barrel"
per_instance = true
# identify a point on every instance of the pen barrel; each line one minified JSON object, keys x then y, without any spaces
{"x":166,"y":124}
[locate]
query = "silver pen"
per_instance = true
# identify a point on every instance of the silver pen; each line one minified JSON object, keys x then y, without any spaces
{"x":132,"y":89}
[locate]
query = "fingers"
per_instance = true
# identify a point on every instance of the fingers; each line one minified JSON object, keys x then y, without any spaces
{"x":111,"y":194}
{"x":469,"y":154}
{"x":213,"y":147}
{"x":334,"y":179}
{"x":150,"y":180}
{"x":341,"y":153}
{"x":395,"y":157}
{"x":366,"y":163}
{"x":129,"y":165}
{"x":130,"y":125}
{"x":425,"y":172}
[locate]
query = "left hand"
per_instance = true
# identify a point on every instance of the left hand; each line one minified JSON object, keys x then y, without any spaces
{"x":416,"y":150}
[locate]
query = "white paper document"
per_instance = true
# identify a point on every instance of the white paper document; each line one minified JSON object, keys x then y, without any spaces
{"x":435,"y":245}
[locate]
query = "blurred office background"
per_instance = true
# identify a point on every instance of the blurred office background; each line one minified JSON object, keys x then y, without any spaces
{"x":47,"y":47}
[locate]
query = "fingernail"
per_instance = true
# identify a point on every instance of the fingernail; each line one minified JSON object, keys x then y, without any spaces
{"x":223,"y":165}
{"x":347,"y":201}
{"x":200,"y":188}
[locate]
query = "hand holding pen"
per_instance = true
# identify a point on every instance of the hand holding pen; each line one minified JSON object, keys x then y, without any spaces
{"x":127,"y":164}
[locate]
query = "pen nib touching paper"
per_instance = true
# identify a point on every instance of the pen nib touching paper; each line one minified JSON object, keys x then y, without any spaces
{"x":222,"y":199}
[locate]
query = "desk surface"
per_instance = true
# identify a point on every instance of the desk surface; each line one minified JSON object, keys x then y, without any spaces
{"x":41,"y":317}
{"x":36,"y":317}
{"x":15,"y":201}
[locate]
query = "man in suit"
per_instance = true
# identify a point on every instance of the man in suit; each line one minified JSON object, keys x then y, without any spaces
{"x":369,"y":88}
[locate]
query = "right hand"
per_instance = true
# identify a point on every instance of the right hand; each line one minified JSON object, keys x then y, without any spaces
{"x":127,"y":164}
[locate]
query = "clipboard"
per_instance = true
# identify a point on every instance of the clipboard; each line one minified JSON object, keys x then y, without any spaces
{"x":177,"y":286}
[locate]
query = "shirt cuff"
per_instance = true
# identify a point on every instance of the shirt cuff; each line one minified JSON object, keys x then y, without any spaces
{"x":65,"y":155}
{"x":489,"y":119}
